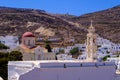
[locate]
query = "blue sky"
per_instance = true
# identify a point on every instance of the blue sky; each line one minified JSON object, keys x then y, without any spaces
{"x":74,"y":7}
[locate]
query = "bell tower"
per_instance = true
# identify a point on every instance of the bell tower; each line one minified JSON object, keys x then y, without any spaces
{"x":91,"y":44}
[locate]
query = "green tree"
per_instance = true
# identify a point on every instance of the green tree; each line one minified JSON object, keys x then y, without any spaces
{"x":48,"y":47}
{"x":74,"y":51}
{"x":16,"y":55}
{"x":105,"y":58}
{"x":4,"y":58}
{"x":3,"y":68}
{"x":2,"y":46}
{"x":47,"y":41}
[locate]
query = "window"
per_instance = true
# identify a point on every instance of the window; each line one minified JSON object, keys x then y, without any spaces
{"x":39,"y":57}
{"x":28,"y":42}
{"x":4,"y":42}
{"x":33,"y":41}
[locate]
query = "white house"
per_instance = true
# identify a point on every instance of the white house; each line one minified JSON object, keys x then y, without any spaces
{"x":81,"y":46}
{"x":115,"y":48}
{"x":116,"y":60}
{"x":64,"y":57}
{"x":10,"y":41}
{"x":102,"y":41}
{"x":55,"y":50}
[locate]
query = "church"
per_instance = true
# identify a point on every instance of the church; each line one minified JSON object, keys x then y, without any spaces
{"x":32,"y":52}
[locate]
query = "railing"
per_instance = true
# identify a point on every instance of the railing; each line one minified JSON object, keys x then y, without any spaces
{"x":73,"y":65}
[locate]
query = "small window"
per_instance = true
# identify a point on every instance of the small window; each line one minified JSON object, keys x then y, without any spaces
{"x":39,"y":57}
{"x":4,"y":42}
{"x":33,"y":41}
{"x":28,"y":42}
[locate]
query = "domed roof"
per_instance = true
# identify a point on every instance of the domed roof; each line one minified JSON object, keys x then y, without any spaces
{"x":28,"y":34}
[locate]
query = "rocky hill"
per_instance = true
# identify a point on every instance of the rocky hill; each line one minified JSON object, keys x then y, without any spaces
{"x":16,"y":21}
{"x":106,"y":22}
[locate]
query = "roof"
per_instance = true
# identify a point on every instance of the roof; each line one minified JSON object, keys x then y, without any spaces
{"x":28,"y":34}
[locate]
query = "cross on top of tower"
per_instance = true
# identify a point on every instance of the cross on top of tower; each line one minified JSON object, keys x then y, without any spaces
{"x":91,"y":28}
{"x":91,"y":23}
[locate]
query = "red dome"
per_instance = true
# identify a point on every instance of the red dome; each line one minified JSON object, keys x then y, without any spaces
{"x":28,"y":34}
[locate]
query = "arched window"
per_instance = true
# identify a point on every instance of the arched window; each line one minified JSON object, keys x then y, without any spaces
{"x":28,"y":42}
{"x":39,"y":57}
{"x":33,"y":42}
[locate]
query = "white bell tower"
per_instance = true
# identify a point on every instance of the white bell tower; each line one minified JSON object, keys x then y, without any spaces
{"x":91,"y":44}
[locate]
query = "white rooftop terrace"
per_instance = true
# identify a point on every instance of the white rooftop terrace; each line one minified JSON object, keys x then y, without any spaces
{"x":58,"y":63}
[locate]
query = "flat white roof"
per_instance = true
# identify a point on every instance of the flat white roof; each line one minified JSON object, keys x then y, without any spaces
{"x":59,"y":63}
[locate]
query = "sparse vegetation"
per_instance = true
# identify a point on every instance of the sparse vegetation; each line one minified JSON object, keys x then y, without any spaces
{"x":2,"y":46}
{"x":48,"y":47}
{"x":106,"y":23}
{"x":47,"y":41}
{"x":74,"y":51}
{"x":61,"y":51}
{"x":105,"y":58}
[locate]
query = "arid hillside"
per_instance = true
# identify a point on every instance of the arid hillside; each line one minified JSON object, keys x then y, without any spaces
{"x":106,"y":22}
{"x":16,"y":21}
